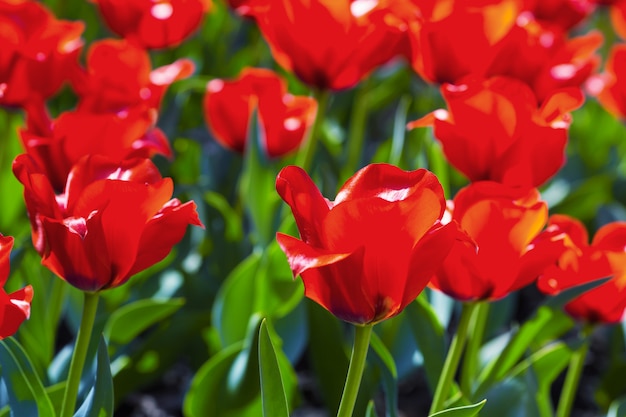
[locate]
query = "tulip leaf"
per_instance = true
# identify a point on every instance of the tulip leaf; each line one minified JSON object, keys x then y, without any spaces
{"x":261,"y":284}
{"x":27,"y":396}
{"x":227,"y":385}
{"x":618,"y":408}
{"x":272,"y":389}
{"x":99,"y":400}
{"x":127,"y":322}
{"x":429,"y":335}
{"x":389,"y":374}
{"x":371,"y":410}
{"x":465,"y":411}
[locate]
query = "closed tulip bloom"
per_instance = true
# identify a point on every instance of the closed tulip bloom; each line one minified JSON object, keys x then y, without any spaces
{"x":460,"y":38}
{"x":37,"y":54}
{"x":112,"y":221}
{"x":285,"y":119}
{"x":610,"y":86}
{"x":74,"y":134}
{"x":153,"y":24}
{"x":328,"y":44}
{"x":119,"y":75}
{"x":14,"y":307}
{"x":369,"y":253}
{"x":584,"y":262}
{"x":545,"y":58}
{"x":495,"y":130}
{"x":504,"y":223}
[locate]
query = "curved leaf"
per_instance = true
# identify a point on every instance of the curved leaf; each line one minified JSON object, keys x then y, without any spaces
{"x":272,"y":389}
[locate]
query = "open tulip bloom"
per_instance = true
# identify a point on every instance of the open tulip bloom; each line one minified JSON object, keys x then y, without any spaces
{"x":369,"y":253}
{"x":112,"y":221}
{"x":14,"y":307}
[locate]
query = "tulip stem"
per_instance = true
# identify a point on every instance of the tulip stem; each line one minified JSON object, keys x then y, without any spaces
{"x":90,"y":306}
{"x":306,"y":153}
{"x":452,"y":359}
{"x":362,"y":336}
{"x":475,"y":340}
{"x":356,"y":134}
{"x":576,"y":364}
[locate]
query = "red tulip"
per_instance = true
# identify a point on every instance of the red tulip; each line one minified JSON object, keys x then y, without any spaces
{"x":129,"y":134}
{"x":112,"y":221}
{"x":37,"y":54}
{"x":610,"y":87}
{"x":369,"y":253}
{"x":564,"y":14}
{"x":328,"y":44}
{"x":153,"y":23}
{"x":494,"y":130}
{"x":544,"y":57}
{"x":15,"y":307}
{"x":459,"y":38}
{"x":504,"y":223}
{"x":285,"y":118}
{"x":119,"y":75}
{"x":583,"y":262}
{"x":618,"y":17}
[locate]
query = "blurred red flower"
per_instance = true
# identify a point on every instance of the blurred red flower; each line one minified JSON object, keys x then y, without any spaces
{"x":37,"y":54}
{"x":119,"y":75}
{"x":583,"y":262}
{"x":74,"y":134}
{"x":544,"y":57}
{"x":15,"y":307}
{"x":328,"y":44}
{"x":618,"y":17}
{"x":369,"y":253}
{"x":112,"y":221}
{"x":610,"y":86}
{"x":503,"y":222}
{"x":153,"y":24}
{"x":564,"y":14}
{"x":459,"y":38}
{"x":285,"y":118}
{"x":494,"y":130}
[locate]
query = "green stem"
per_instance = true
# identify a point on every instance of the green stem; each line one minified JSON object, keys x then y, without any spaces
{"x":90,"y":307}
{"x":355,"y":370}
{"x":452,"y":359}
{"x":474,"y":342}
{"x":576,"y":364}
{"x":356,"y":135}
{"x":306,"y":153}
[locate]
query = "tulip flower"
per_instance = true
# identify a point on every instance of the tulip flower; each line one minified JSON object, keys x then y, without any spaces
{"x":564,"y":14}
{"x":504,"y":223}
{"x":618,"y":17}
{"x":495,"y":130}
{"x":544,"y":57}
{"x":460,"y":38}
{"x":119,"y":75}
{"x":584,"y":262}
{"x":74,"y":134}
{"x":112,"y":221}
{"x":15,"y":307}
{"x":369,"y":253}
{"x":328,"y":44}
{"x":153,"y":24}
{"x":285,"y":118}
{"x":610,"y":86}
{"x":37,"y":54}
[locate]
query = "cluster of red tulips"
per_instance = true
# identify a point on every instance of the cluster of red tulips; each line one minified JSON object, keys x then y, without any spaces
{"x":510,"y":73}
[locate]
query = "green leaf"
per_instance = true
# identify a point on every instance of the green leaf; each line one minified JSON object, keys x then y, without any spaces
{"x":127,"y":322}
{"x":27,"y":396}
{"x":389,"y":373}
{"x":371,"y":410}
{"x":429,"y":335}
{"x":465,"y":411}
{"x":99,"y":401}
{"x":272,"y":389}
